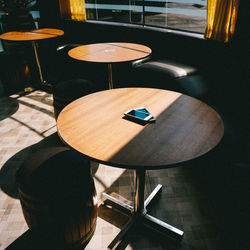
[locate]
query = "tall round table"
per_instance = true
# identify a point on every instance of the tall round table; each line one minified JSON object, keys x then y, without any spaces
{"x":33,"y":36}
{"x":185,"y":129}
{"x":110,"y":53}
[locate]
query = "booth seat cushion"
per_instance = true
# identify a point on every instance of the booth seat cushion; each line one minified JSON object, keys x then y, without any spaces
{"x":169,"y":75}
{"x":168,"y":67}
{"x":195,"y":86}
{"x":161,"y":73}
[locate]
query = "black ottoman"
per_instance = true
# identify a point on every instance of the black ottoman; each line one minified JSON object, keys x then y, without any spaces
{"x":57,"y":194}
{"x":68,"y":91}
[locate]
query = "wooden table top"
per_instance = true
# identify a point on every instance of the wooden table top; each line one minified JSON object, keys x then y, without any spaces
{"x":31,"y":35}
{"x":185,"y":128}
{"x":110,"y":52}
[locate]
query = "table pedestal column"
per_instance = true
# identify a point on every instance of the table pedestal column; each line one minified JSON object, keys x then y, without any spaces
{"x":42,"y":81}
{"x":111,"y":85}
{"x":139,"y":213}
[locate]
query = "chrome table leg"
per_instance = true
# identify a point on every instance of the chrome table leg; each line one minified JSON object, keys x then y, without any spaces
{"x":119,"y":204}
{"x":139,"y":212}
{"x":153,"y":195}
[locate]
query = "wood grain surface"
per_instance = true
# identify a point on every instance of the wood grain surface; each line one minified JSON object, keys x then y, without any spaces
{"x":185,"y":128}
{"x":110,"y":52}
{"x":31,"y":35}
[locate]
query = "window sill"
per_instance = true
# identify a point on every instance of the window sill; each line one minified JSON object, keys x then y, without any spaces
{"x":151,"y":28}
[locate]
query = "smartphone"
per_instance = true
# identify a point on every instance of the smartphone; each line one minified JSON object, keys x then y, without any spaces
{"x":144,"y":110}
{"x":133,"y":113}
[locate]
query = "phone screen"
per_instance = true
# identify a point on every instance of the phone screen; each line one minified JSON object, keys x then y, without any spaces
{"x":143,"y":110}
{"x":138,"y":114}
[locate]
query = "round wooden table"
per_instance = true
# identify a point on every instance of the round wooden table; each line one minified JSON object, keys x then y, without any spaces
{"x":185,"y":129}
{"x":33,"y":36}
{"x":110,"y":53}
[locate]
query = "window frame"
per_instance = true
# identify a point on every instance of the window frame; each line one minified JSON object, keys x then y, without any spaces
{"x":144,"y":14}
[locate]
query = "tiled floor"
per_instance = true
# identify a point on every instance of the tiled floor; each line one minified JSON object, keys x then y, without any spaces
{"x":27,"y":124}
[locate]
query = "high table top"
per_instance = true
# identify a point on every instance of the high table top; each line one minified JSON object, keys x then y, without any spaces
{"x":110,"y":52}
{"x":31,"y":35}
{"x":185,"y":128}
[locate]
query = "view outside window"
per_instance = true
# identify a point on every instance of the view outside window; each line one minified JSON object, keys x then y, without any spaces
{"x":189,"y":15}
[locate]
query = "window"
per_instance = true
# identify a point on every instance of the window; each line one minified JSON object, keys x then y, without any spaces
{"x":189,"y":15}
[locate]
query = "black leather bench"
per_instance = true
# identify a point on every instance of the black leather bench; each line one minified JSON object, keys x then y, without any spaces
{"x":165,"y":74}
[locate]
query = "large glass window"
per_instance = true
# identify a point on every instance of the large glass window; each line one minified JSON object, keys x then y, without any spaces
{"x":189,"y":15}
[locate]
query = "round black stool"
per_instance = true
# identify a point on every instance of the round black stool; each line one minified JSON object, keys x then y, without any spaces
{"x":67,"y":91}
{"x":57,"y":193}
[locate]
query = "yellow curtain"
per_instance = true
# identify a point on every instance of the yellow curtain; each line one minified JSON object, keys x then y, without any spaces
{"x":221,"y":19}
{"x":73,"y":9}
{"x":77,"y":8}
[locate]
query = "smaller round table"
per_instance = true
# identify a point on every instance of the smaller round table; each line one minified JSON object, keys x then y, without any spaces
{"x":110,"y":53}
{"x":33,"y":36}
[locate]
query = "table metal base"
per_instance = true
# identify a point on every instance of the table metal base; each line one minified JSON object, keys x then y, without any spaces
{"x":139,"y":213}
{"x":47,"y":87}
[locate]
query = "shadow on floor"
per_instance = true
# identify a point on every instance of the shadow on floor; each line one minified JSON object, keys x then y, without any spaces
{"x":140,"y":235}
{"x":182,"y":204}
{"x":37,"y":239}
{"x":8,"y":107}
{"x":8,"y":172}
